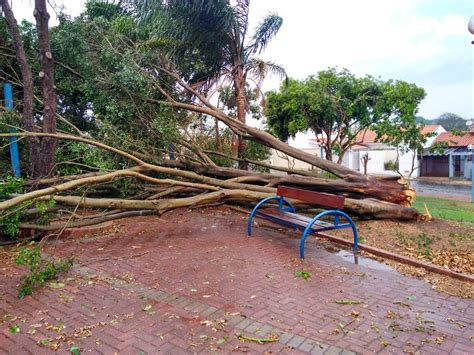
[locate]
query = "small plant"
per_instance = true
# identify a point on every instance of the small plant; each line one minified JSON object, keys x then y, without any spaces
{"x":304,"y":274}
{"x":43,"y":207}
{"x":391,"y":165}
{"x":40,"y":268}
{"x":423,"y":243}
{"x":10,"y":218}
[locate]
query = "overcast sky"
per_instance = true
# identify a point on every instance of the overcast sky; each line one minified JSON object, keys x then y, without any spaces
{"x":425,"y":42}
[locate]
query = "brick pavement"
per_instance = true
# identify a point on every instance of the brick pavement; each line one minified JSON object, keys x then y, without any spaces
{"x":190,"y":282}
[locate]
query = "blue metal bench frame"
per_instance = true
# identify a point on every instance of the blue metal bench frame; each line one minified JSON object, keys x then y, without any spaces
{"x":324,"y":226}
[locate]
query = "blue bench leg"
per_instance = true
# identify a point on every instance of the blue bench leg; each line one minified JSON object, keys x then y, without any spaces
{"x":317,"y":217}
{"x":281,"y":202}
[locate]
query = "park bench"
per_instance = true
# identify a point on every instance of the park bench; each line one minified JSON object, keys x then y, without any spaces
{"x":285,"y":213}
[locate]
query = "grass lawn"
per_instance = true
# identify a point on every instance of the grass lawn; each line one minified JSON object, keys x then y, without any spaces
{"x":446,"y":209}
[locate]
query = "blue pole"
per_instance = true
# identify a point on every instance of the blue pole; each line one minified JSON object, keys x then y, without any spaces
{"x":14,"y":154}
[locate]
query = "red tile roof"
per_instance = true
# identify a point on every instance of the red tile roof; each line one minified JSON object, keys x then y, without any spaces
{"x":429,"y":128}
{"x":368,"y":136}
{"x":456,"y":141}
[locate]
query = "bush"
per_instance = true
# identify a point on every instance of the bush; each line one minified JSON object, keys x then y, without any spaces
{"x":391,"y":165}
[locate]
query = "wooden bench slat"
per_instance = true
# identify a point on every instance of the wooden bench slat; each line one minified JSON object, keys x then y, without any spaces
{"x":294,"y":219}
{"x":318,"y":198}
{"x":277,"y":212}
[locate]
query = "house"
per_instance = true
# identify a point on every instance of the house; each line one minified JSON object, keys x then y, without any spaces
{"x":302,"y":141}
{"x":454,"y":161}
{"x":383,"y":159}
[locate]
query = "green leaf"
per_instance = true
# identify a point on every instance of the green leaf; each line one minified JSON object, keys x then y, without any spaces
{"x":221,"y":341}
{"x":14,"y":329}
{"x":304,"y":274}
{"x":75,"y":350}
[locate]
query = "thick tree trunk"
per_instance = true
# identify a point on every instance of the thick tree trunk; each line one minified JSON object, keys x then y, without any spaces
{"x":356,"y":189}
{"x":239,"y":92}
{"x":370,"y":208}
{"x":48,"y":144}
{"x":27,"y":79}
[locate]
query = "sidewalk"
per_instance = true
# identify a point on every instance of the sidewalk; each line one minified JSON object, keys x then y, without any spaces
{"x":192,"y":282}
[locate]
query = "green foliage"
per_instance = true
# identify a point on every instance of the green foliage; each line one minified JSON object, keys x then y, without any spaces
{"x":448,"y":120}
{"x":40,"y":269}
{"x":10,"y":186}
{"x":304,"y":274}
{"x":423,"y":242}
{"x":14,"y":329}
{"x":10,"y":219}
{"x":43,"y":207}
{"x":337,"y":104}
{"x":391,"y":165}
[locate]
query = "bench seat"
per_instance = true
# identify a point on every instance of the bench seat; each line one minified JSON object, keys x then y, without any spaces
{"x":297,"y":220}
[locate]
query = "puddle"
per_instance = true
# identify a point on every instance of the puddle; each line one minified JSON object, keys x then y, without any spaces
{"x":362,"y":261}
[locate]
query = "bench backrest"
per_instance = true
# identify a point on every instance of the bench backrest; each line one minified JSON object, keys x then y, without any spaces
{"x":318,"y":198}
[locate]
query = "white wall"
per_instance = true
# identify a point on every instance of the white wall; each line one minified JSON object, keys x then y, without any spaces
{"x":404,"y":164}
{"x":430,"y":141}
{"x":285,"y":161}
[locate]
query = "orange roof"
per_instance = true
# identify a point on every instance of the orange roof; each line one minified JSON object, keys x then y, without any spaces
{"x":368,"y":136}
{"x":429,"y":128}
{"x":365,"y":136}
{"x":456,"y":141}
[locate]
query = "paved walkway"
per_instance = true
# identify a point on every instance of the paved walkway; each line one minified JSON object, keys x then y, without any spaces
{"x":191,"y":282}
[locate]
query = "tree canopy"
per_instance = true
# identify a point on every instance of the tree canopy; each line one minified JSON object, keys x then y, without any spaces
{"x":336,"y":105}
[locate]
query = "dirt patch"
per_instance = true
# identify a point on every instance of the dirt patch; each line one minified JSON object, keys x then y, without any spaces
{"x":445,"y":243}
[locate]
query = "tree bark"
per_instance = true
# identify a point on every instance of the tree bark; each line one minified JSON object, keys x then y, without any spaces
{"x":239,"y":92}
{"x":370,"y":208}
{"x":27,"y":79}
{"x":48,"y":144}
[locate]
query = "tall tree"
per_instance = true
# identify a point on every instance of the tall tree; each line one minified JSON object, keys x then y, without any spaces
{"x":336,"y":105}
{"x":48,"y":93}
{"x":451,"y":121}
{"x":27,"y":79}
{"x":219,"y":32}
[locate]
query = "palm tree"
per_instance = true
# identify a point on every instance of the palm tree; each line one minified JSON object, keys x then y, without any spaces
{"x":213,"y":36}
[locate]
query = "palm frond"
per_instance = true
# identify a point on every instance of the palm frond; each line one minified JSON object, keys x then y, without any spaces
{"x":260,"y":69}
{"x":267,"y":29}
{"x":241,"y":11}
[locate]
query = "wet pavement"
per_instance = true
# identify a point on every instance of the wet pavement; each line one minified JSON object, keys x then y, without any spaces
{"x":192,"y":282}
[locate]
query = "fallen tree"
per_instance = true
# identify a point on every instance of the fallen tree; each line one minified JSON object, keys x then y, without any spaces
{"x":391,"y":189}
{"x":193,"y":183}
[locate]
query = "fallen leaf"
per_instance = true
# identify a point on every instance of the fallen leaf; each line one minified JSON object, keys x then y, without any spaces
{"x":56,"y":284}
{"x":14,"y":329}
{"x":74,"y":350}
